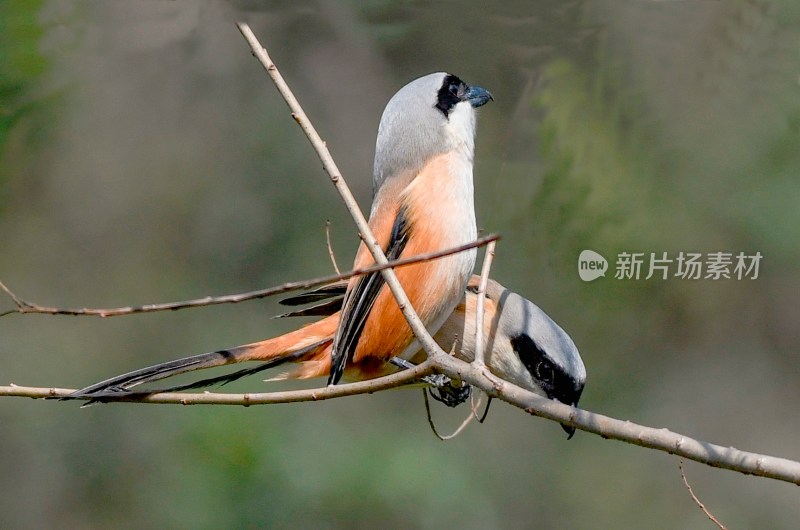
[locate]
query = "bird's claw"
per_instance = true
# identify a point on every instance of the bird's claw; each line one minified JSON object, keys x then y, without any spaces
{"x":445,"y":390}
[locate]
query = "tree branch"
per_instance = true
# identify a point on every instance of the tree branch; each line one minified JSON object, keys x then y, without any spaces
{"x":25,"y":307}
{"x":624,"y":431}
{"x":369,"y":386}
{"x":604,"y":426}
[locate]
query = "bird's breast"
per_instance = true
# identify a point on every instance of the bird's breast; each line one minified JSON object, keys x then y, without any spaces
{"x":440,"y":201}
{"x":440,"y":207}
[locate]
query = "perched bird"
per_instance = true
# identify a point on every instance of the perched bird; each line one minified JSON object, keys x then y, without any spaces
{"x":522,"y":345}
{"x":422,"y":202}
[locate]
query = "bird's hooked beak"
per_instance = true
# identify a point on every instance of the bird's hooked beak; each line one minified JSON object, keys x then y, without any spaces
{"x":571,"y":400}
{"x":569,"y":430}
{"x":477,"y":96}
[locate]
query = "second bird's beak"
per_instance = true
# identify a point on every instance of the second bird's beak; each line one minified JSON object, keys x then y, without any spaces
{"x":477,"y":96}
{"x":570,"y":398}
{"x":569,"y":430}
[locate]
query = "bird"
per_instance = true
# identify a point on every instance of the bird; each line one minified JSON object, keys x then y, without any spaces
{"x":522,"y":345}
{"x":423,"y":201}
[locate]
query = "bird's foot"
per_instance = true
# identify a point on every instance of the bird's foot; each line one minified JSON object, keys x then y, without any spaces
{"x":444,"y":389}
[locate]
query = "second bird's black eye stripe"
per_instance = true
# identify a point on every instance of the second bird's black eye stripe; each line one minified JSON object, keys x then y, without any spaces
{"x":555,"y":382}
{"x":448,"y":95}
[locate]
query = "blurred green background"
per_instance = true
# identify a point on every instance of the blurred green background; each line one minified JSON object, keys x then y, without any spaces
{"x":146,"y":157}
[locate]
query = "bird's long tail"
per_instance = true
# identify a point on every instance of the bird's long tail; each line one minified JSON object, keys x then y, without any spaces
{"x":308,"y":345}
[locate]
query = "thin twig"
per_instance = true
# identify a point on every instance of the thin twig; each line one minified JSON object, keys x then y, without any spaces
{"x":444,"y":437}
{"x":472,"y":404}
{"x":479,"y":346}
{"x":21,"y":304}
{"x":478,"y":361}
{"x":696,"y":500}
{"x":330,"y":248}
{"x":29,"y":307}
{"x":417,"y":327}
{"x":486,"y":410}
{"x":475,"y":406}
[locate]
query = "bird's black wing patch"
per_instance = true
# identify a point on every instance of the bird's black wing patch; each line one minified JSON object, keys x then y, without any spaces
{"x":359,"y":301}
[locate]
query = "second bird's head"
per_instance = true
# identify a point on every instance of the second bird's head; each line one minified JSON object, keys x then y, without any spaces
{"x":431,"y":115}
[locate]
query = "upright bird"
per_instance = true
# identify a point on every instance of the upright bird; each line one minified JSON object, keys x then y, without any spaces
{"x":422,"y":202}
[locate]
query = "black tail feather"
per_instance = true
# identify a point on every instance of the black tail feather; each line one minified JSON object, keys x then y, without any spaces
{"x":320,"y":293}
{"x":119,"y":387}
{"x":223,"y":380}
{"x":323,"y":309}
{"x":124,"y":382}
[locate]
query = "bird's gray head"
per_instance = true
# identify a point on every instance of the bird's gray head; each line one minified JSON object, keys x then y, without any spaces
{"x":430,"y":115}
{"x":538,"y":354}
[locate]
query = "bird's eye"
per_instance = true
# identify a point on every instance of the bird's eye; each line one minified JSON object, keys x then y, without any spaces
{"x":535,"y":360}
{"x":449,"y":94}
{"x":544,"y":371}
